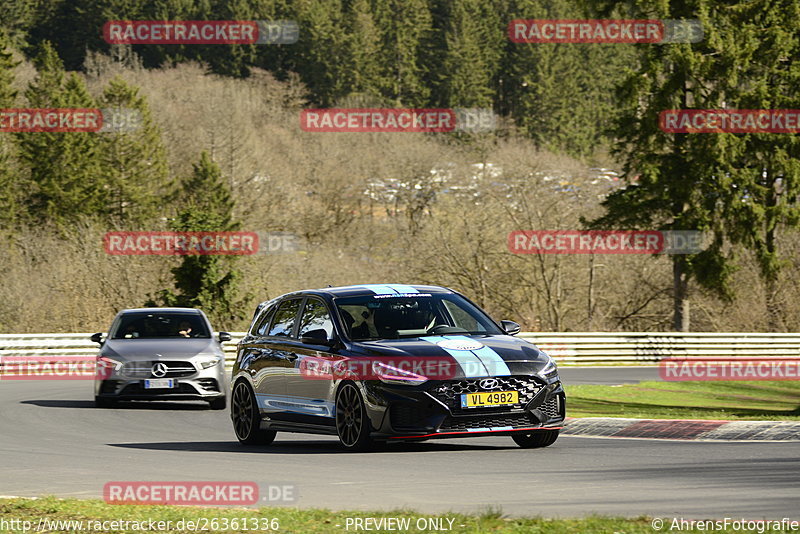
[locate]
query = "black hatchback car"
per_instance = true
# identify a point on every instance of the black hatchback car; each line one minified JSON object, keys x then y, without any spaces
{"x":390,"y":362}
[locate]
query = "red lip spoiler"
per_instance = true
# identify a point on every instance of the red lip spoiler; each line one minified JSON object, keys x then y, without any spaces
{"x":467,"y":432}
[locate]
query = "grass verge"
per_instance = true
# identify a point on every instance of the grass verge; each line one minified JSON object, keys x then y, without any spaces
{"x":730,"y":400}
{"x":45,"y":513}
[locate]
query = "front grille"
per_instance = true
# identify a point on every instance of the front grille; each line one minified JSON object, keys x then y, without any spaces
{"x":551,"y":408}
{"x":109,"y":386}
{"x":144,"y":369}
{"x":490,"y":421}
{"x":449,"y":393}
{"x":208,"y":384}
{"x":138,"y":389}
{"x":406,"y":416}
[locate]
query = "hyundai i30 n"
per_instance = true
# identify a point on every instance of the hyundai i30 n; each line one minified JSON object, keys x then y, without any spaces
{"x":388,"y":363}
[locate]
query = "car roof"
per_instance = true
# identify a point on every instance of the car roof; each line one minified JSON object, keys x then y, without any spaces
{"x":161,"y":310}
{"x":380,"y":289}
{"x":358,"y":290}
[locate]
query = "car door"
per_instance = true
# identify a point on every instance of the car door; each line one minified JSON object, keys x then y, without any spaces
{"x":311,"y":394}
{"x":274,"y":356}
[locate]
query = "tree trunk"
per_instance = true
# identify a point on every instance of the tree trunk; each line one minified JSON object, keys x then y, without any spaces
{"x":774,"y":323}
{"x":770,"y":263}
{"x":590,"y":304}
{"x":680,"y":282}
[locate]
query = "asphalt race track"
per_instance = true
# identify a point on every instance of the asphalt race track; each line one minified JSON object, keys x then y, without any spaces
{"x":53,"y":441}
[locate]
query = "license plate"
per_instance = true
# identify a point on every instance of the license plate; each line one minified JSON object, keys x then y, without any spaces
{"x":159,"y":383}
{"x":489,"y":398}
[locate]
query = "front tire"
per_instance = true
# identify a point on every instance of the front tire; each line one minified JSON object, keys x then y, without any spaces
{"x":246,"y":417}
{"x":352,"y":423}
{"x":536,"y":439}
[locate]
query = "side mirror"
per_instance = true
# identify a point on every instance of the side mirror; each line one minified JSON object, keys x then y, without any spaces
{"x":224,"y":336}
{"x":316,"y":337}
{"x":97,"y":338}
{"x":511,"y":328}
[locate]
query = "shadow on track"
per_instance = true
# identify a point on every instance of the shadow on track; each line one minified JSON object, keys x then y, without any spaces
{"x":304,"y":447}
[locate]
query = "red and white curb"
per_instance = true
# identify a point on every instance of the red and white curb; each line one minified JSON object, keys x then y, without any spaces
{"x":683,"y":429}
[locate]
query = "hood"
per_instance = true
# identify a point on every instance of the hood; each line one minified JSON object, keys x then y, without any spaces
{"x":146,"y":349}
{"x":477,"y":356}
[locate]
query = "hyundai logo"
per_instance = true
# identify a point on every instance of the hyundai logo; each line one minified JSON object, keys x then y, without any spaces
{"x":488,"y":383}
{"x":159,"y":370}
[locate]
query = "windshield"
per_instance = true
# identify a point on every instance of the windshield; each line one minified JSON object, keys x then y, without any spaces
{"x":160,"y":325}
{"x":373,"y":317}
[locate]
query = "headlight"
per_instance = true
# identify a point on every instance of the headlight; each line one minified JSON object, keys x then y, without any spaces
{"x":550,"y":368}
{"x":205,"y":364}
{"x":393,"y":375}
{"x":106,"y":366}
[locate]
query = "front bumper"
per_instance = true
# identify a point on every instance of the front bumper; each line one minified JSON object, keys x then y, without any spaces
{"x":433,"y":409}
{"x":190,"y":384}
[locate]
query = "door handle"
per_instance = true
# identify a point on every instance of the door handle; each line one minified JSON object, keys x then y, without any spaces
{"x":291,"y":357}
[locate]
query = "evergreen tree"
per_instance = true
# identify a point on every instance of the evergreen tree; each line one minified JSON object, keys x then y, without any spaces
{"x":471,"y":57}
{"x":561,"y":95}
{"x":10,"y":179}
{"x":205,"y":281}
{"x":233,"y":59}
{"x":760,"y":39}
{"x":133,"y":162}
{"x":64,"y":166}
{"x":406,"y":27}
{"x":16,"y":19}
{"x":363,"y":47}
{"x":679,"y":179}
{"x":320,"y":56}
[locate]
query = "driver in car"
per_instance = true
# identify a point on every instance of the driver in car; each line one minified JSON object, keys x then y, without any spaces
{"x":185,"y":329}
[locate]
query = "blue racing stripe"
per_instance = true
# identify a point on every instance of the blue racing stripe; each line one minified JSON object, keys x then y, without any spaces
{"x":471,"y":365}
{"x":379,"y":289}
{"x":402,"y":288}
{"x":494,"y":363}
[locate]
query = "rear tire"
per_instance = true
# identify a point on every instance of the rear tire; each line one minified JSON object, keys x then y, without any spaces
{"x":104,"y":402}
{"x":352,"y":422}
{"x":246,"y":417}
{"x":536,"y":439}
{"x":218,"y":403}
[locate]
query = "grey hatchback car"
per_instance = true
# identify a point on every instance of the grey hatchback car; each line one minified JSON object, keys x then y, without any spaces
{"x":161,"y":354}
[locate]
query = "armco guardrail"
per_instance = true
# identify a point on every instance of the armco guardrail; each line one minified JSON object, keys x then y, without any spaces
{"x":641,"y":348}
{"x":568,"y":348}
